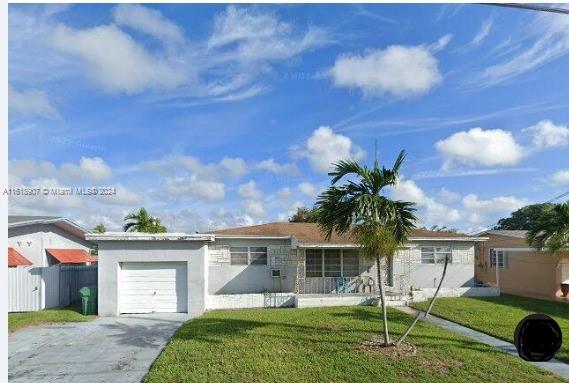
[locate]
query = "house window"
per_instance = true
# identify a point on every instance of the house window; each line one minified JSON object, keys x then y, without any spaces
{"x":436,"y":254}
{"x":239,"y":255}
{"x":497,"y":257}
{"x":258,"y":255}
{"x":351,"y":263}
{"x":243,"y":255}
{"x":313,"y":263}
{"x":332,"y":263}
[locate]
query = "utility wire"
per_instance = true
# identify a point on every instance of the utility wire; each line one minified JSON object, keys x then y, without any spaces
{"x":530,"y":7}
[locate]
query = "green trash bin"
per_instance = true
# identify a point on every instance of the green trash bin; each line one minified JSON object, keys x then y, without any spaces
{"x":88,"y":300}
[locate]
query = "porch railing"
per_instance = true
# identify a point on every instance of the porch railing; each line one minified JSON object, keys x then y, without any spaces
{"x":337,"y":285}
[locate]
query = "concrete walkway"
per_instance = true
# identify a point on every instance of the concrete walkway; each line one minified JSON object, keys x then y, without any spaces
{"x":106,"y":350}
{"x":554,"y":366}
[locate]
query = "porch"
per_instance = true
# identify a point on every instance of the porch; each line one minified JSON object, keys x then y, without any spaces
{"x":338,"y":271}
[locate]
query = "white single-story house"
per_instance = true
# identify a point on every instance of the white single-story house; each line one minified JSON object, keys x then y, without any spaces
{"x":45,"y":241}
{"x":274,"y":264}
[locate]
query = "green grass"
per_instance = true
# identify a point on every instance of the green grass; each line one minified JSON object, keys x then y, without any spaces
{"x":320,"y":345}
{"x":17,"y":321}
{"x":499,"y":316}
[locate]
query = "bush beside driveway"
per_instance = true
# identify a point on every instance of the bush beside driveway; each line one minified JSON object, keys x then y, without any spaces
{"x":314,"y":345}
{"x":499,"y":316}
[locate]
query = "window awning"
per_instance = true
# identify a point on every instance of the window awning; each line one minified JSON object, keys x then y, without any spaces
{"x":71,"y":256}
{"x":17,"y":259}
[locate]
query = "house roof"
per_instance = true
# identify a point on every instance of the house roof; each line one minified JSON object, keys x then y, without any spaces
{"x":30,"y":218}
{"x":71,"y":256}
{"x":311,"y":233}
{"x":507,"y":233}
{"x":17,"y":259}
{"x":61,"y":222}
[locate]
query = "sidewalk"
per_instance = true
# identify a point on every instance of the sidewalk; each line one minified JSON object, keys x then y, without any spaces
{"x":554,"y":366}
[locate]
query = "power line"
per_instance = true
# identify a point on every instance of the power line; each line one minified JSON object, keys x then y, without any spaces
{"x":531,"y":7}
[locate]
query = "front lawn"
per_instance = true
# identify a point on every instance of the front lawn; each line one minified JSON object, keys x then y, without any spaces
{"x":499,"y":316}
{"x":63,"y":314}
{"x":321,"y":345}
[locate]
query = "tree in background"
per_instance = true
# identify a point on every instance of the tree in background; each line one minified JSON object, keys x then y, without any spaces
{"x":304,"y":214}
{"x":100,"y":228}
{"x":359,"y":208}
{"x":523,"y":218}
{"x":550,"y":231}
{"x":143,"y":222}
{"x":440,"y":229}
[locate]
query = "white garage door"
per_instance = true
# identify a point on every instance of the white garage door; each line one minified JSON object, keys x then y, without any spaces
{"x":147,"y":287}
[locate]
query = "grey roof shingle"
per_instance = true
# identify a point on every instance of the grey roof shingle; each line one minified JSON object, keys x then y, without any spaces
{"x":507,"y":233}
{"x":28,"y":218}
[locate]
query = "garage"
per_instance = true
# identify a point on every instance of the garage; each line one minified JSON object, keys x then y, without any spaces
{"x":147,"y":287}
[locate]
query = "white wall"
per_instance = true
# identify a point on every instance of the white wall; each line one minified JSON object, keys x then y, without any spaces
{"x":225,"y":278}
{"x":32,"y":240}
{"x":410,"y":272}
{"x":113,"y":253}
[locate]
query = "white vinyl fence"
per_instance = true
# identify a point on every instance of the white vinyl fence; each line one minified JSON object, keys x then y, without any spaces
{"x":38,"y":288}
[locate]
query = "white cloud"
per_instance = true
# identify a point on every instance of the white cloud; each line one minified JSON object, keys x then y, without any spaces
{"x":202,"y":189}
{"x":249,"y":190}
{"x":401,"y":71}
{"x":91,"y":168}
{"x":495,"y":204}
{"x":433,"y":212}
{"x":149,"y":21}
{"x":94,"y":168}
{"x":230,"y":167}
{"x":550,"y":34}
{"x":448,"y":196}
{"x":31,"y":102}
{"x":561,"y":177}
{"x":115,"y":60}
{"x":325,"y":147}
{"x":284,"y":193}
{"x":235,"y":167}
{"x":124,"y":196}
{"x":441,"y":43}
{"x":548,"y":135}
{"x":254,"y":208}
{"x":484,"y":31}
{"x":284,"y":169}
{"x":260,"y":36}
{"x":308,"y":189}
{"x":477,"y":146}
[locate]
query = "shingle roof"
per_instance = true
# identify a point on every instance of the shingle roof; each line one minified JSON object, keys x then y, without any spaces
{"x":71,"y":256}
{"x":507,"y":233}
{"x":310,"y":232}
{"x":29,"y":218}
{"x":17,"y":259}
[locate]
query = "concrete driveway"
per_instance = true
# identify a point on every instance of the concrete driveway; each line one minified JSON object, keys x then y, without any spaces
{"x":113,"y":350}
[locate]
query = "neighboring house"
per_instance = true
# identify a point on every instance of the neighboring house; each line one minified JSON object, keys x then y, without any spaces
{"x":16,"y":259}
{"x":506,"y":261}
{"x":46,"y":241}
{"x":141,"y":272}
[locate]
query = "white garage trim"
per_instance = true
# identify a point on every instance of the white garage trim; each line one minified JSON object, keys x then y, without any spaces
{"x":147,"y":287}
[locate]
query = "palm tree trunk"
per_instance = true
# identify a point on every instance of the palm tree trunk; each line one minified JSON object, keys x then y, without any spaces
{"x":420,"y":314}
{"x":382,"y":300}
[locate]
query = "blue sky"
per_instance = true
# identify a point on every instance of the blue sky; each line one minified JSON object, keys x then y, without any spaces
{"x":215,"y":115}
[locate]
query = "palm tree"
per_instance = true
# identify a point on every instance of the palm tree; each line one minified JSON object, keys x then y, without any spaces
{"x":100,"y":228}
{"x":143,"y":222}
{"x":359,"y":207}
{"x":550,"y":231}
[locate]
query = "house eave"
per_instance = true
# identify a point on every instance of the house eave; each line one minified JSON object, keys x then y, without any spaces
{"x":122,"y":236}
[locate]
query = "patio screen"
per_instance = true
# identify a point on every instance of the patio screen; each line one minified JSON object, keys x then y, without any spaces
{"x":332,"y":263}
